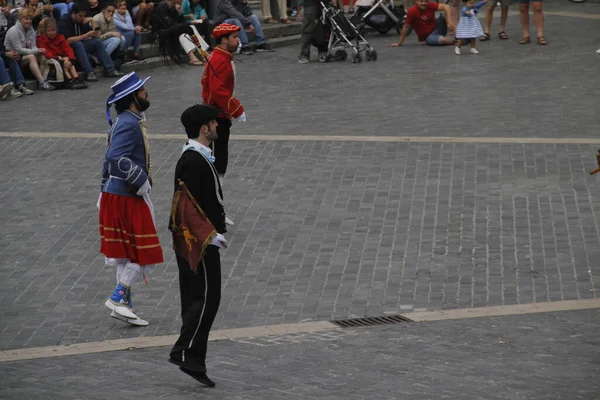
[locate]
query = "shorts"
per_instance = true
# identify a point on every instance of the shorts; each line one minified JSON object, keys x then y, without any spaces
{"x":503,"y":3}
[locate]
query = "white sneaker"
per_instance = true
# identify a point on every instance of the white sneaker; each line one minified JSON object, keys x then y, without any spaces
{"x":228,"y":221}
{"x":5,"y":90}
{"x":474,"y":51}
{"x":598,"y":51}
{"x":137,"y":321}
{"x":121,"y":310}
{"x":14,"y":93}
{"x":457,"y":51}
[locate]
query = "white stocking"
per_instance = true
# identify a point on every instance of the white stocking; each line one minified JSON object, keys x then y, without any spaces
{"x":129,"y":273}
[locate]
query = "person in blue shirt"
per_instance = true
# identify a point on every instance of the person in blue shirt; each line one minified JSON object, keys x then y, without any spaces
{"x":195,"y":14}
{"x":124,"y":25}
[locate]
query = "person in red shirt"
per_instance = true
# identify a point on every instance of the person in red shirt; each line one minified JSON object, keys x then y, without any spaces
{"x":421,"y":19}
{"x":57,"y":48}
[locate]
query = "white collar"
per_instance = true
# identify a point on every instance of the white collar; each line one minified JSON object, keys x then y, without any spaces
{"x":199,"y":146}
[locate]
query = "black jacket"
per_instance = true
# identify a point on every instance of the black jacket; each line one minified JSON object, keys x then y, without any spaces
{"x":198,"y":174}
{"x":164,"y":17}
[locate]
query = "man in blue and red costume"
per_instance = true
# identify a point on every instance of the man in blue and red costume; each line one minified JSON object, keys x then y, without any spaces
{"x":128,"y":235}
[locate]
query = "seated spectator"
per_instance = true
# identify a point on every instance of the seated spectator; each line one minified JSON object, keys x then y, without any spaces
{"x":63,"y":7}
{"x":421,"y":18}
{"x":83,"y":39}
{"x":12,"y":82}
{"x":195,"y":14}
{"x":130,"y":35}
{"x":57,"y":48}
{"x":108,"y":33}
{"x":39,"y":12}
{"x":169,"y":14}
{"x":141,"y":11}
{"x":237,"y":12}
{"x":21,"y":38}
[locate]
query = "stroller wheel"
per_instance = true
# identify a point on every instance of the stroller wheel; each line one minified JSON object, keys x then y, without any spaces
{"x":373,"y":55}
{"x":341,"y":55}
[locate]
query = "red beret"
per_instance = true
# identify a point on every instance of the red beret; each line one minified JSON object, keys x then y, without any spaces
{"x":224,"y":29}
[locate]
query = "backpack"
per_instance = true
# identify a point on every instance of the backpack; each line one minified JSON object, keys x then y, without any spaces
{"x":54,"y":70}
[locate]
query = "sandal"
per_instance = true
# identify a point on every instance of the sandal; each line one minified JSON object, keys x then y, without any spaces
{"x":542,"y":41}
{"x":524,"y":40}
{"x":270,"y":21}
{"x":502,"y":35}
{"x":485,"y":37}
{"x":286,"y":21}
{"x":196,"y":62}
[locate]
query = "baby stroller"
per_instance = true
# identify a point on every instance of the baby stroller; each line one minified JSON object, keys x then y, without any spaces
{"x":378,"y":16}
{"x":335,"y":34}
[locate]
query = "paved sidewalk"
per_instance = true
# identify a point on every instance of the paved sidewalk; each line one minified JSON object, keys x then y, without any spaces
{"x":414,"y":90}
{"x":544,"y":356}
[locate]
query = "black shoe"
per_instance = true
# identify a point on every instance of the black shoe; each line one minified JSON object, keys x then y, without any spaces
{"x":139,"y":57}
{"x":246,"y":50}
{"x":91,"y":77}
{"x":114,"y":74}
{"x":199,"y":376}
{"x":264,"y":48}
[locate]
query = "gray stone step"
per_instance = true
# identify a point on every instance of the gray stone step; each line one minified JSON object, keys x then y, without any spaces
{"x":155,"y":61}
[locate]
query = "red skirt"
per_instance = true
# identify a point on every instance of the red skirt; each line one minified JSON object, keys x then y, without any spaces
{"x":127,"y":230}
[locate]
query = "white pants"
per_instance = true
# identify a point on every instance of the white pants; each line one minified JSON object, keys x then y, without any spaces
{"x":188,"y":45}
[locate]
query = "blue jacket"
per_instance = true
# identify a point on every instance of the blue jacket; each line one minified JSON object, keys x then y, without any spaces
{"x":125,"y":166}
{"x":475,"y":9}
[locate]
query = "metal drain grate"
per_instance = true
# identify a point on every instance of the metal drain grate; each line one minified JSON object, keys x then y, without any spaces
{"x":371,"y":321}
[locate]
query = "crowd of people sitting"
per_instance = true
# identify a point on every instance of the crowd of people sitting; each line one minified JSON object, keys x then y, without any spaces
{"x":62,"y":43}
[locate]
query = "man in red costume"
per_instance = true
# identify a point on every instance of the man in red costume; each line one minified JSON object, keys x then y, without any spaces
{"x":218,"y":87}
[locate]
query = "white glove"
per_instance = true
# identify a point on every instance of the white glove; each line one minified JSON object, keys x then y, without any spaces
{"x":219,"y":241}
{"x":241,"y":118}
{"x":99,"y":199}
{"x":145,"y":188}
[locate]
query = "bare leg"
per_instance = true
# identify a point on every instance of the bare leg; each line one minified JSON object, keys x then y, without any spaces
{"x":73,"y":72}
{"x":538,"y":17}
{"x":139,"y":18}
{"x":31,"y":61}
{"x":473,"y":43}
{"x":524,"y":17}
{"x":149,"y":9}
{"x":489,"y":16}
{"x":503,"y":18}
{"x":68,"y":74}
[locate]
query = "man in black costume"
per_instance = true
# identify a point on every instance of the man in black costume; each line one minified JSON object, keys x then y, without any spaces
{"x":202,"y":225}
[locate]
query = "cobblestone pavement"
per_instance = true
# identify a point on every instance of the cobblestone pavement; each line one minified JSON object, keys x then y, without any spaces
{"x":414,"y":90}
{"x":544,"y":356}
{"x":324,"y":230}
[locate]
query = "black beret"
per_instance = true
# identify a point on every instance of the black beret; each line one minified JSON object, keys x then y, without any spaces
{"x":196,"y":116}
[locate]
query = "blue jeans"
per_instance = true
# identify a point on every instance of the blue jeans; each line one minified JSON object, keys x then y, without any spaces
{"x":63,"y":8}
{"x":15,"y":75}
{"x":260,"y":36}
{"x":440,"y":31}
{"x":96,"y":47}
{"x":111,"y":44}
{"x":131,"y":39}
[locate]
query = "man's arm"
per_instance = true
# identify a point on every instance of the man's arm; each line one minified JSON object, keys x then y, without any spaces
{"x":406,"y":30}
{"x":447,"y":10}
{"x":79,"y":38}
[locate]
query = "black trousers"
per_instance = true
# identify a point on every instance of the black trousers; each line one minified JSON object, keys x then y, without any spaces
{"x":200,"y":298}
{"x":221,"y":145}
